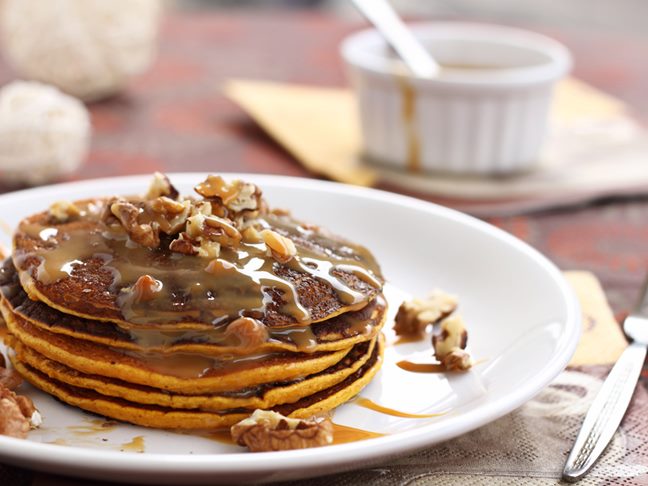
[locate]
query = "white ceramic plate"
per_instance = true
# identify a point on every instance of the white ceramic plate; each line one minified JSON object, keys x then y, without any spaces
{"x":523,"y":323}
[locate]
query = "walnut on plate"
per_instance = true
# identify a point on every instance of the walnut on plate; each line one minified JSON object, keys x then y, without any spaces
{"x":267,"y":431}
{"x":17,"y":412}
{"x":415,"y":315}
{"x":450,"y":343}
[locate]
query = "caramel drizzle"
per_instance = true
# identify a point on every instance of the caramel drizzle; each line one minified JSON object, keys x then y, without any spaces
{"x":371,"y":405}
{"x":240,"y":280}
{"x":408,"y":112}
{"x":135,"y":445}
{"x":421,"y":367}
{"x":194,"y":365}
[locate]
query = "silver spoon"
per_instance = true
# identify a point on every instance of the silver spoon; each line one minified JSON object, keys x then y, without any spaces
{"x":384,"y":18}
{"x":610,"y":405}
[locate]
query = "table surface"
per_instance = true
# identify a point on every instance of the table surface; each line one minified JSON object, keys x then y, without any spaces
{"x":174,"y":118}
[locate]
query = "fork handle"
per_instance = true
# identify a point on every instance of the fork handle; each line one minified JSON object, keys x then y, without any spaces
{"x":606,"y":412}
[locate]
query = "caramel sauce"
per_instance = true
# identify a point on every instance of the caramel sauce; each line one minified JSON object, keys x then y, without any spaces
{"x":92,"y":427}
{"x":421,"y":367}
{"x":194,"y":365}
{"x":343,"y":434}
{"x":408,"y":111}
{"x":406,"y":339}
{"x":223,"y":436}
{"x":366,"y":403}
{"x":58,"y":441}
{"x":194,"y":289}
{"x":135,"y":445}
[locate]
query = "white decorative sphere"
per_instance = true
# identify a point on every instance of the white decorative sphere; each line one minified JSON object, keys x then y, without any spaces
{"x":44,"y":134}
{"x":88,"y":48}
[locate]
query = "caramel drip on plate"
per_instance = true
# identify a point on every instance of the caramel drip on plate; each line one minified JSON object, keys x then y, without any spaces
{"x":408,"y":339}
{"x":366,"y":403}
{"x":223,"y":436}
{"x":92,"y":427}
{"x":239,"y":282}
{"x":135,"y":445}
{"x":408,"y":110}
{"x":343,"y":434}
{"x":421,"y":367}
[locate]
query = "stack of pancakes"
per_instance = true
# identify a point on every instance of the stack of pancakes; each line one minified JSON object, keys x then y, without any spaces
{"x":121,"y":325}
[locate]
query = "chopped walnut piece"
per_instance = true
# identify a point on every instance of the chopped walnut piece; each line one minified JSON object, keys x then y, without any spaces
{"x":209,"y":249}
{"x":415,"y":315}
{"x":250,"y":333}
{"x":161,"y":186}
{"x":195,"y":225}
{"x":216,"y":186}
{"x":143,"y":234}
{"x":146,"y":235}
{"x":247,"y":198}
{"x":225,"y":233}
{"x":267,"y":431}
{"x":183,"y":244}
{"x":251,"y":235}
{"x":63,"y":211}
{"x":457,"y":360}
{"x":237,"y":196}
{"x":281,"y":248}
{"x":450,"y":342}
{"x":171,"y":215}
{"x":146,"y":288}
{"x":166,"y":205}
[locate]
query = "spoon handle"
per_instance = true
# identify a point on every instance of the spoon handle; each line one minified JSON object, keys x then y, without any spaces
{"x":605,"y":413}
{"x":384,"y":18}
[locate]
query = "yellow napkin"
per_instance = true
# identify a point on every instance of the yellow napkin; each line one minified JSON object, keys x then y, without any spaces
{"x":602,"y":340}
{"x":318,"y":126}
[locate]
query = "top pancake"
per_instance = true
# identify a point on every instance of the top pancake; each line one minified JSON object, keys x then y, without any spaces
{"x":82,"y":266}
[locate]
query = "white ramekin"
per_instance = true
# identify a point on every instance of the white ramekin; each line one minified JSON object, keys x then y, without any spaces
{"x":471,"y":121}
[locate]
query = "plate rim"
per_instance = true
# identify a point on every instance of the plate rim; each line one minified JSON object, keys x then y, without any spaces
{"x":42,"y":456}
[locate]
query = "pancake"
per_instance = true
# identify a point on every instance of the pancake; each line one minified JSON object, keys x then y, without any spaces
{"x":337,"y":333}
{"x":262,"y":396}
{"x":190,"y":313}
{"x":74,"y":267}
{"x":181,"y":373}
{"x":163,"y":417}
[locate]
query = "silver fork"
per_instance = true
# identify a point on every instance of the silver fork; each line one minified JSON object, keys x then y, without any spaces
{"x":609,"y":406}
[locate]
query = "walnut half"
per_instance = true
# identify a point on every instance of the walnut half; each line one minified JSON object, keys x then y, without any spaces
{"x":17,"y":412}
{"x":267,"y":431}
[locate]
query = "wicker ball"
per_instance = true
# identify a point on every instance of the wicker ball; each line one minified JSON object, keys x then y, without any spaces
{"x":44,"y":133}
{"x":88,"y":48}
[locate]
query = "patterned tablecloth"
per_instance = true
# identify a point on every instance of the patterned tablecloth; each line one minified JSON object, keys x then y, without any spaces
{"x":174,"y":118}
